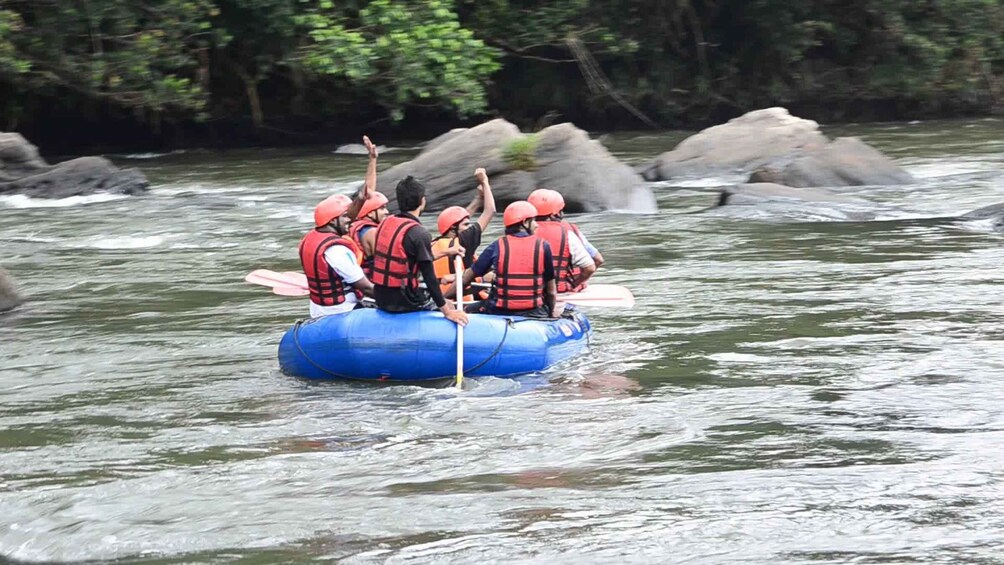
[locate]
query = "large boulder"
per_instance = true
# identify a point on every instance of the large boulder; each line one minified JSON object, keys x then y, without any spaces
{"x":845,"y":161}
{"x":780,"y":148}
{"x":992,"y":215}
{"x":18,"y":157}
{"x":9,"y":298}
{"x":22,"y":171}
{"x":586,"y":174}
{"x":560,"y":157}
{"x":744,"y":143}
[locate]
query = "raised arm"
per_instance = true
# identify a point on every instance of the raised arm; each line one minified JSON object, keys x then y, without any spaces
{"x":485,"y":195}
{"x":369,"y":185}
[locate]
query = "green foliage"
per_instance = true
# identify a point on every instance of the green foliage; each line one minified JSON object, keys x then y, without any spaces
{"x":404,"y":53}
{"x":677,"y":60}
{"x":135,"y":56}
{"x":10,"y":62}
{"x":520,"y":153}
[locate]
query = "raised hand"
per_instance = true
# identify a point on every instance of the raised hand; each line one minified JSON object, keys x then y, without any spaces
{"x":372,"y":149}
{"x":481,"y":175}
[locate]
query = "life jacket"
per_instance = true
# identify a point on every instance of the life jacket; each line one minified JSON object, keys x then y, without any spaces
{"x":391,"y":267}
{"x":327,"y":288}
{"x":356,"y":232}
{"x":556,"y":234}
{"x":444,"y":266}
{"x":519,"y":274}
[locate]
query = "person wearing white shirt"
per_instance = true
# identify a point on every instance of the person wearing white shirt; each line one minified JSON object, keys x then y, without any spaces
{"x":331,"y":261}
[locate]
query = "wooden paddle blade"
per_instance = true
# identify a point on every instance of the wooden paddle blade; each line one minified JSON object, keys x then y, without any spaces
{"x":601,"y":296}
{"x":269,"y":278}
{"x":286,"y":290}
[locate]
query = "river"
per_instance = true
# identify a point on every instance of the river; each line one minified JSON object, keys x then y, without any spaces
{"x":783,"y":392}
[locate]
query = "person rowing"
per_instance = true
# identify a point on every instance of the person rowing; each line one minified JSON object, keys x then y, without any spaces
{"x":572,"y":263}
{"x":524,"y":270}
{"x":403,"y":249}
{"x":456,"y":228}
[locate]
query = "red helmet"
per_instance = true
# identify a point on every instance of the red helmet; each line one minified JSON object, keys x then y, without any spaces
{"x":517,"y":212}
{"x":451,"y":217}
{"x":376,"y":201}
{"x":548,"y":202}
{"x":330,"y":208}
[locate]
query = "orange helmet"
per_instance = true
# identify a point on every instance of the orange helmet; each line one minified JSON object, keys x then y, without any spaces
{"x":548,"y":202}
{"x":330,"y":208}
{"x":376,"y":201}
{"x":450,"y":217}
{"x":517,"y":212}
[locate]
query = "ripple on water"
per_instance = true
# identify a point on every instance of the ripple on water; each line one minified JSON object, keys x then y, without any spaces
{"x":783,"y":392}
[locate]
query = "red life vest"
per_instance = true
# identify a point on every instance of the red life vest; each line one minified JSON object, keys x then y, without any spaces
{"x":391,"y":267}
{"x":556,"y":234}
{"x":519,"y":274}
{"x":356,"y":233}
{"x":327,"y":288}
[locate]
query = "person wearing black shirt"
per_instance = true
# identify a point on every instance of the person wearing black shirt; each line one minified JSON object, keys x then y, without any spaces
{"x":403,"y":250}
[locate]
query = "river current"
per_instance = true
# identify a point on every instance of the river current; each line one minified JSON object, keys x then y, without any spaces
{"x":787,"y":389}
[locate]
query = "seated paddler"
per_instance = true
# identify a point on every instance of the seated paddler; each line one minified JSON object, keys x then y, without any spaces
{"x":403,"y":252}
{"x":457,"y":229}
{"x":573,"y":263}
{"x":331,"y":261}
{"x":523,"y":267}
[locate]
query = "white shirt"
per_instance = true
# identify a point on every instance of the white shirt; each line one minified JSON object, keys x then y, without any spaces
{"x":343,"y":261}
{"x":580,"y":257}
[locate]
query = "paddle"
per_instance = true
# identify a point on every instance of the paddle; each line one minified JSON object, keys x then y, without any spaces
{"x":596,"y":295}
{"x":458,"y":266}
{"x":273,"y":279}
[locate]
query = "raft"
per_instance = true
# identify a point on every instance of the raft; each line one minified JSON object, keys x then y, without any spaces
{"x":373,"y":345}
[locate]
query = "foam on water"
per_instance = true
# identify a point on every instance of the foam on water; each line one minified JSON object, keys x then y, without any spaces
{"x":128,"y":242}
{"x":22,"y":201}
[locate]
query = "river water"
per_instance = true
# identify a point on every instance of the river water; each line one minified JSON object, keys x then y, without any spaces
{"x":787,"y":390}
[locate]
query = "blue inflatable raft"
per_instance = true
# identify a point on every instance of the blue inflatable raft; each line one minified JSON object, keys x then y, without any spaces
{"x":369,"y":344}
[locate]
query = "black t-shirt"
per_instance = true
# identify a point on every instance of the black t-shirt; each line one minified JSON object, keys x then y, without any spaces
{"x":418,"y":249}
{"x":470,"y":239}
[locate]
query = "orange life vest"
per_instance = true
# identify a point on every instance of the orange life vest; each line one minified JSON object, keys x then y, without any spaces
{"x":444,"y":266}
{"x":391,"y":267}
{"x":519,"y":274}
{"x":327,"y":288}
{"x":556,"y":234}
{"x":356,"y":233}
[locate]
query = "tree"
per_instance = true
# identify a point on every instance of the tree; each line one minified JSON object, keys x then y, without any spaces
{"x":139,"y":55}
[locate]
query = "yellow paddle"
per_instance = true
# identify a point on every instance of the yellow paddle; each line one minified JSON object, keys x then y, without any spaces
{"x":458,"y":265}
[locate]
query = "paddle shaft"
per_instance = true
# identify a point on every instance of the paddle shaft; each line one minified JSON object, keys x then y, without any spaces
{"x":458,"y":264}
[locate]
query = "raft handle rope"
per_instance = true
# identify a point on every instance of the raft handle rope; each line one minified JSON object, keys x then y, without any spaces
{"x":296,"y":341}
{"x":509,"y":323}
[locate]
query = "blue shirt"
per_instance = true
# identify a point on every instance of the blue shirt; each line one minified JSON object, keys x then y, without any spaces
{"x":489,"y":260}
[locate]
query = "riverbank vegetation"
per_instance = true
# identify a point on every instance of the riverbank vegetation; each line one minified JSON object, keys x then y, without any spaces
{"x":177,"y":72}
